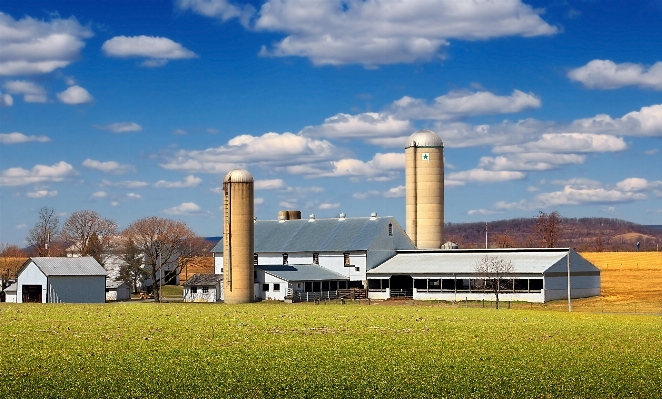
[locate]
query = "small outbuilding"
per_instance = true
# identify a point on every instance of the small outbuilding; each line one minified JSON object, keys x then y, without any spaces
{"x":117,"y":291}
{"x":204,"y":288}
{"x":276,"y":282}
{"x":55,"y":280}
{"x":10,"y":293}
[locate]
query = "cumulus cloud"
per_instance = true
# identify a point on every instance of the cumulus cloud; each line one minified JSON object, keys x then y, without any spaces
{"x":125,"y":184}
{"x":269,"y":150}
{"x":530,"y":161}
{"x":606,"y":74}
{"x":380,"y":167}
{"x":270,"y":184}
{"x":189,"y":181}
{"x":134,"y":196}
{"x":30,"y":46}
{"x":75,"y":95}
{"x":461,"y":104}
{"x":328,"y":205}
{"x":578,"y":182}
{"x":258,"y":200}
{"x":221,"y":9}
{"x":18,"y":138}
{"x":38,"y":174}
{"x":486,"y":176}
{"x":99,"y":194}
{"x":157,"y":50}
{"x":583,"y":196}
{"x":395,"y":192}
{"x":184,"y":209}
{"x":42,"y":193}
{"x":637,"y":184}
{"x":32,"y":92}
{"x":366,"y":125}
{"x":647,"y":122}
{"x":568,"y":142}
{"x":386,"y":32}
{"x":120,"y":127}
{"x":6,"y":100}
{"x":111,"y":167}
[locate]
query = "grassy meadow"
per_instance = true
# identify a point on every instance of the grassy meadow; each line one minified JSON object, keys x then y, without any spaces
{"x":328,"y":350}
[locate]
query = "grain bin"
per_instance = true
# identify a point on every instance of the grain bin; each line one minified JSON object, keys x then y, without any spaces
{"x":238,"y":238}
{"x":424,"y":186}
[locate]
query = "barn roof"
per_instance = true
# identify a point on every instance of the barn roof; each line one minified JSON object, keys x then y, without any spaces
{"x":309,"y":272}
{"x":524,"y":260}
{"x":13,"y":287}
{"x":203,"y":279}
{"x":112,"y":284}
{"x":319,"y":235}
{"x":79,"y":266}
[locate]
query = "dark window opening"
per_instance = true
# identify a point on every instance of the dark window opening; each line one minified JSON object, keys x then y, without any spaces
{"x":342,"y":285}
{"x":265,"y":287}
{"x":390,"y":229}
{"x":356,"y":284}
{"x":421,"y":284}
{"x":205,"y":290}
{"x":477,"y":284}
{"x":254,"y":275}
{"x":346,"y":259}
{"x":194,"y":290}
{"x":255,"y":259}
{"x":463,"y":284}
{"x":333,"y":285}
{"x":308,"y":286}
{"x":285,"y":259}
{"x":276,"y":287}
{"x":316,"y":286}
{"x":535,"y":284}
{"x":521,"y":285}
{"x":325,"y":285}
{"x":357,"y":269}
{"x":316,"y":258}
{"x":374,"y":284}
{"x":434,"y":284}
{"x":448,"y":284}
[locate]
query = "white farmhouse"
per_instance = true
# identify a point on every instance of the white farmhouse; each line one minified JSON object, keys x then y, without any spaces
{"x":203,"y":288}
{"x":70,"y":280}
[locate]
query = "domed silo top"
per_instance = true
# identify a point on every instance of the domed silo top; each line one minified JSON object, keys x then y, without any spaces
{"x":424,"y":138}
{"x":238,"y":176}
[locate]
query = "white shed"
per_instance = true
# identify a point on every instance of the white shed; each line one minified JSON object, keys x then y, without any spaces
{"x":539,"y":275}
{"x":203,"y":288}
{"x":275,"y":282}
{"x":10,"y":293}
{"x":52,"y":280}
{"x":117,"y":291}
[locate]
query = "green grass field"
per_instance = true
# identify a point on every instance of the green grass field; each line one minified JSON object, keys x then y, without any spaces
{"x":304,"y":350}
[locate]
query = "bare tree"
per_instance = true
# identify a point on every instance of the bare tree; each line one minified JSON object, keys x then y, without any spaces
{"x":11,"y":259}
{"x":505,"y":241}
{"x":132,"y":271}
{"x":495,"y":271}
{"x":161,"y":241}
{"x":40,"y":236}
{"x":548,"y":229}
{"x":90,"y":234}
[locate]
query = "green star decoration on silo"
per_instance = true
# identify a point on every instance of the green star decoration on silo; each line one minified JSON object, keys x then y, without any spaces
{"x":426,"y":156}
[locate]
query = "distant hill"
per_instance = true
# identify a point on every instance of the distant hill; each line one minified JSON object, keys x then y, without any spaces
{"x":583,"y":234}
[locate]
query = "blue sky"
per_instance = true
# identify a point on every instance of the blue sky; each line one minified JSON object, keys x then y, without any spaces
{"x":134,"y":109}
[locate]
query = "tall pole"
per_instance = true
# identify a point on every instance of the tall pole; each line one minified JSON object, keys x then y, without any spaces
{"x":485,"y":235}
{"x":569,"y":292}
{"x":160,"y":273}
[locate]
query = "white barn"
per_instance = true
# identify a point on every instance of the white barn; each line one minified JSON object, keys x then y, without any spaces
{"x":203,"y":288}
{"x":539,"y":275}
{"x":53,"y":280}
{"x":276,"y":282}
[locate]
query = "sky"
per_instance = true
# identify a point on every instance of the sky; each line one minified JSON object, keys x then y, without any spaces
{"x":136,"y":109}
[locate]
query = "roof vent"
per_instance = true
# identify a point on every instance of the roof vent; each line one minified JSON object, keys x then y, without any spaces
{"x":281,"y":218}
{"x":342,"y":216}
{"x":312,"y":217}
{"x":373,"y":215}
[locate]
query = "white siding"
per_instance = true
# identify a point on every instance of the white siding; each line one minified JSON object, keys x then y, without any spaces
{"x":265,"y":278}
{"x":331,"y":261}
{"x":77,"y":289}
{"x":31,"y":275}
{"x":213,"y":294}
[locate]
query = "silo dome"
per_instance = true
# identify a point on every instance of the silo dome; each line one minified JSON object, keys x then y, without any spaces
{"x":238,"y":176}
{"x":424,"y":138}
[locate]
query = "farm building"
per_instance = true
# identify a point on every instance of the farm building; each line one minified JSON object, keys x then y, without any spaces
{"x":276,"y":282}
{"x":203,"y":288}
{"x":117,"y":291}
{"x":538,"y":275}
{"x":52,"y":280}
{"x":10,"y":293}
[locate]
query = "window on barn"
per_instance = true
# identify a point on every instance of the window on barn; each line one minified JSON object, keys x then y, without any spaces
{"x":521,"y":285}
{"x":276,"y":287}
{"x":421,"y":284}
{"x":285,"y":259}
{"x":325,"y":285}
{"x":390,"y":229}
{"x":463,"y":284}
{"x":265,"y":287}
{"x":308,"y":286}
{"x":374,"y":284}
{"x":434,"y":284}
{"x":346,"y":259}
{"x":205,"y":290}
{"x":535,"y":285}
{"x":255,"y":259}
{"x":477,"y":284}
{"x":333,"y":286}
{"x":316,"y":258}
{"x":357,"y":269}
{"x":194,"y":290}
{"x":317,"y":286}
{"x":448,"y":284}
{"x":342,"y":285}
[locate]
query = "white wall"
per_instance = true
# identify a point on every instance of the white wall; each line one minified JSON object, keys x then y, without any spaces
{"x":265,"y":278}
{"x":31,"y":275}
{"x":121,"y":293}
{"x":211,"y":296}
{"x":536,"y":297}
{"x":331,"y":261}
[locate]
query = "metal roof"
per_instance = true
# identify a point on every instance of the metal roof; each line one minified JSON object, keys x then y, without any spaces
{"x":310,"y":272}
{"x":238,"y":176}
{"x":319,"y":235}
{"x":424,"y":138}
{"x":462,"y":262}
{"x":110,"y":284}
{"x":203,"y":279}
{"x":79,"y":266}
{"x":13,"y":287}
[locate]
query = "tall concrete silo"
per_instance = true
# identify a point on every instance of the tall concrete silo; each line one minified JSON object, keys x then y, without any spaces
{"x":424,"y":186}
{"x":238,"y":238}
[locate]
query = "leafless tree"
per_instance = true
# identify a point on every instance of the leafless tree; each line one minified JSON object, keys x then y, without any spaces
{"x":161,"y":241}
{"x":40,"y":236}
{"x":90,"y":235}
{"x":505,"y":241}
{"x":548,"y":229}
{"x":11,"y":259}
{"x":496,"y":272}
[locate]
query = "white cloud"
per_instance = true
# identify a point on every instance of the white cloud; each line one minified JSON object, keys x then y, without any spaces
{"x":32,"y":92}
{"x":486,"y":176}
{"x":572,"y":196}
{"x":42,"y":193}
{"x":383,"y":165}
{"x":569,"y":143}
{"x":109,"y":166}
{"x":18,"y":138}
{"x":114,"y":203}
{"x":158,"y":50}
{"x":328,"y":205}
{"x":389,"y":31}
{"x":578,"y":182}
{"x":99,"y":194}
{"x":652,"y":151}
{"x":395,"y":192}
{"x":6,"y":100}
{"x":75,"y":95}
{"x":30,"y":46}
{"x":189,"y":181}
{"x":472,"y":212}
{"x":134,"y":196}
{"x":221,"y":9}
{"x":530,"y":161}
{"x":271,"y":184}
{"x":21,"y":226}
{"x":645,"y":122}
{"x":636,"y":184}
{"x":292,"y":204}
{"x":124,"y":184}
{"x":268,"y":150}
{"x":366,"y":125}
{"x":120,"y":127}
{"x":605,"y":74}
{"x":38,"y":174}
{"x":185,"y":208}
{"x":258,"y":200}
{"x":179,"y":132}
{"x":460,"y":104}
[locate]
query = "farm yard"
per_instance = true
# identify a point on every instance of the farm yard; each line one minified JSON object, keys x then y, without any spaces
{"x":304,"y":350}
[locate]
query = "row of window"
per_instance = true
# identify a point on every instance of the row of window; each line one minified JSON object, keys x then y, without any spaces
{"x":316,"y":259}
{"x":464,"y":285}
{"x":194,"y":290}
{"x":265,"y":287}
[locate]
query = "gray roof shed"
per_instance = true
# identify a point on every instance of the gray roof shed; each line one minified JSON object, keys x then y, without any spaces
{"x":310,"y":272}
{"x":79,"y":266}
{"x":202,"y":279}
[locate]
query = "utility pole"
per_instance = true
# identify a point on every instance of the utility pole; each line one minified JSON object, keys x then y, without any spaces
{"x":485,"y":235}
{"x":569,"y":292}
